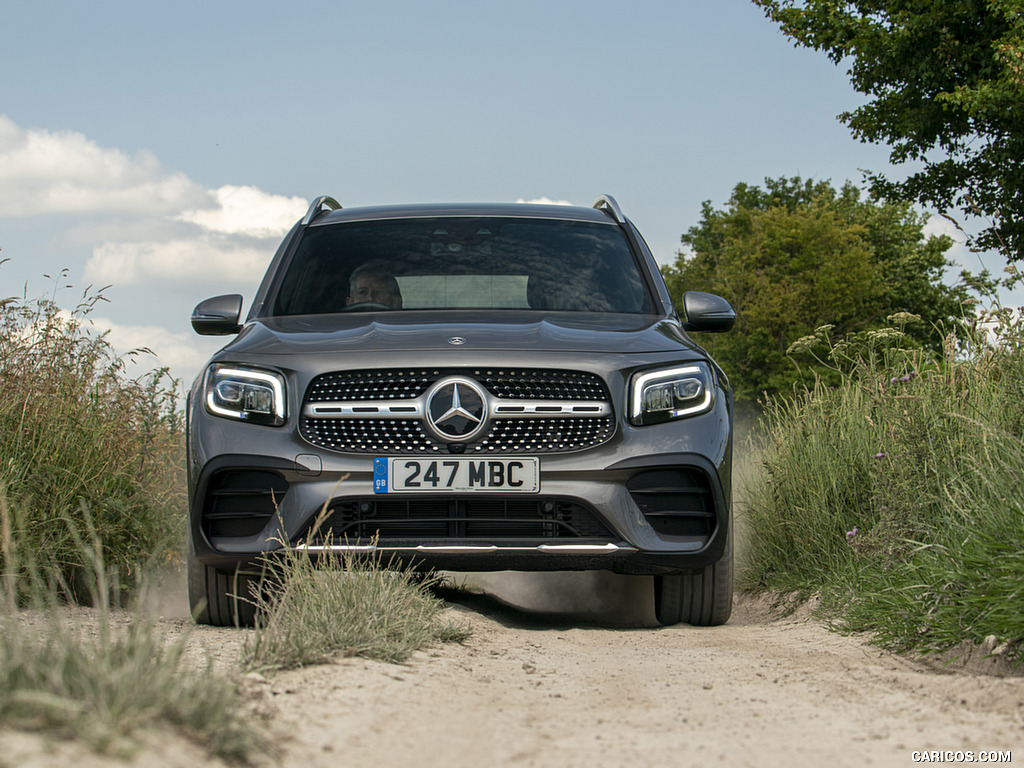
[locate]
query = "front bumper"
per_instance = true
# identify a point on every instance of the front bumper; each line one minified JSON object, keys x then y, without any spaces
{"x":649,"y":514}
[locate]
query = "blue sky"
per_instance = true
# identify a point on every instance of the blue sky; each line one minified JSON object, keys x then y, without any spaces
{"x":164,"y":149}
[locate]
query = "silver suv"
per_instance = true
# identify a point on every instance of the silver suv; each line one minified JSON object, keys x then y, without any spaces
{"x":464,"y":387}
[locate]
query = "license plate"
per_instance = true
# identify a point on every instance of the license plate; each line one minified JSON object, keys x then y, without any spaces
{"x":391,"y":475}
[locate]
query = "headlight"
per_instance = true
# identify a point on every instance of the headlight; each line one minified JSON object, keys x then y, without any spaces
{"x":672,"y":393}
{"x":256,"y":396}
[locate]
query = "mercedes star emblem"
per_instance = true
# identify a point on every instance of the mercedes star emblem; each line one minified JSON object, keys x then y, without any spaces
{"x":456,"y":409}
{"x":456,"y":341}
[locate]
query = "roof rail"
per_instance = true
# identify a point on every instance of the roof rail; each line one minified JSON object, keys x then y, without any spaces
{"x":607,"y":203}
{"x":317,"y":206}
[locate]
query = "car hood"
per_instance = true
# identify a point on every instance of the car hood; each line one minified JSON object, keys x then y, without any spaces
{"x":424,"y":331}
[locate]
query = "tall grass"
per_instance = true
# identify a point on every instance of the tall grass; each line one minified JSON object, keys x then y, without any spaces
{"x":342,"y":603}
{"x":91,"y":490}
{"x":101,"y":680}
{"x":897,"y":495}
{"x":78,"y":435}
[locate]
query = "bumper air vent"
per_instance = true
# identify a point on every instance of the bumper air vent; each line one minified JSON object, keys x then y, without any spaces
{"x":678,"y":503}
{"x":241,"y":502}
{"x":412,"y":519}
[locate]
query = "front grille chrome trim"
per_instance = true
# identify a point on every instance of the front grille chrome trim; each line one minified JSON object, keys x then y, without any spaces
{"x":366,"y":409}
{"x":528,"y":409}
{"x":415,"y":409}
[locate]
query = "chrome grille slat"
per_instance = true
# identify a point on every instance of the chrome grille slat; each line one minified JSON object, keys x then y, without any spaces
{"x":414,"y":409}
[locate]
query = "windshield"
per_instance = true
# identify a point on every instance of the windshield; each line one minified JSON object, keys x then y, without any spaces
{"x":462,"y":263}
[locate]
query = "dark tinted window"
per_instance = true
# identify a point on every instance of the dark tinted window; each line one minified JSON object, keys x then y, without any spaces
{"x":456,"y":263}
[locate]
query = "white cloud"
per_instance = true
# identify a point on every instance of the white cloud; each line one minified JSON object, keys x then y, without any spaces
{"x":248,"y":211}
{"x":145,"y":226}
{"x":137,"y":225}
{"x":205,"y":258}
{"x":64,"y":172}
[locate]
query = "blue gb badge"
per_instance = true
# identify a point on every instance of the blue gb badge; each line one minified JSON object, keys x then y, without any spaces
{"x":380,"y":475}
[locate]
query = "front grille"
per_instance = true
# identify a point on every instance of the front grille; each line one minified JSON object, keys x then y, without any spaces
{"x":390,"y":436}
{"x":542,"y":384}
{"x":545,"y":435}
{"x":405,"y":437}
{"x":465,"y":517}
{"x":527,"y":434}
{"x":519,"y":383}
{"x":370,"y":385}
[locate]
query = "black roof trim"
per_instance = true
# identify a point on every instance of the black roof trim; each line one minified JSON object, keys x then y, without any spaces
{"x":436,"y":210}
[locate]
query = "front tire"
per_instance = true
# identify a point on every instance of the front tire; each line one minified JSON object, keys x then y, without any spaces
{"x":703,"y":599}
{"x":220,"y":598}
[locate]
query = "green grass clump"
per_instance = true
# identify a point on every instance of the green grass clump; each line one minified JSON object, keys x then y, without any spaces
{"x":102,"y":676}
{"x":78,"y":434}
{"x":897,"y":495}
{"x":314,"y":607}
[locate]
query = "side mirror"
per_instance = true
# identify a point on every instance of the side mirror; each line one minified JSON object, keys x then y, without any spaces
{"x":707,"y":312}
{"x":219,"y":316}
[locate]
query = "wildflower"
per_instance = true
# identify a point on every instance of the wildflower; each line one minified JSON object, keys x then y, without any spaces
{"x":850,"y":535}
{"x":881,"y":455}
{"x":904,"y":318}
{"x":801,"y":345}
{"x":885,"y":335}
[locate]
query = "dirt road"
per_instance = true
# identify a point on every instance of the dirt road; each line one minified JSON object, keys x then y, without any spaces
{"x":593,"y":689}
{"x":574,"y":679}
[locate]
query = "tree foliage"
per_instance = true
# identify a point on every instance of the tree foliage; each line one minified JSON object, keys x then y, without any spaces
{"x":797,"y":255}
{"x":946,"y":87}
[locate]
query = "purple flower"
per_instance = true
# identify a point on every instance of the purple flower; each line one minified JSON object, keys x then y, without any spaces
{"x":881,"y":455}
{"x":851,"y":534}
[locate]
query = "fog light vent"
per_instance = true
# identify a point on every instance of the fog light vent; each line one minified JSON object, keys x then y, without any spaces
{"x":677,"y":503}
{"x":240,"y":502}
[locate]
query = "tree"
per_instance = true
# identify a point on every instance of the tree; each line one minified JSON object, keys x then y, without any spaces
{"x":946,"y":88}
{"x":797,"y":255}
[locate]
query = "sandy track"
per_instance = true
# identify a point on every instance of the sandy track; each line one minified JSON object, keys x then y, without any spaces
{"x":593,"y":688}
{"x":574,"y":679}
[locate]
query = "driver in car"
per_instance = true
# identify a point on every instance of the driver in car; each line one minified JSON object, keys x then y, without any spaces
{"x":370,"y":284}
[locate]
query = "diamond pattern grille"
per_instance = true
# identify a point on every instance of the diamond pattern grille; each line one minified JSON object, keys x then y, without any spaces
{"x":504,"y":436}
